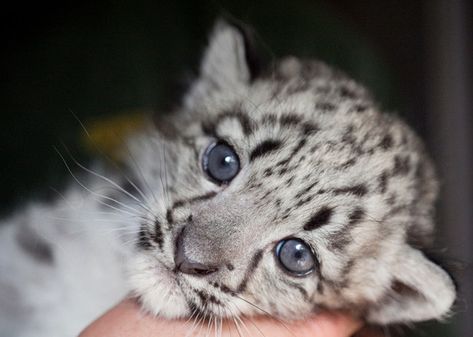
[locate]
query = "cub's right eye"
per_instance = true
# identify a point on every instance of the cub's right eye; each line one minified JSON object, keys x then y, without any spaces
{"x":296,"y":257}
{"x":220,"y":162}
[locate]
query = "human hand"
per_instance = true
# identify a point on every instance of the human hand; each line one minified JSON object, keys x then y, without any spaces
{"x":126,"y":319}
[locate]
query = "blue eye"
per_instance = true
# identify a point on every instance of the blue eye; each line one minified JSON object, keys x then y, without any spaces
{"x":220,"y":162}
{"x":295,"y":256}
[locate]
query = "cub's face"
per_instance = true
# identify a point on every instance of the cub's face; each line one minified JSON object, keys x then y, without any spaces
{"x":284,"y":193}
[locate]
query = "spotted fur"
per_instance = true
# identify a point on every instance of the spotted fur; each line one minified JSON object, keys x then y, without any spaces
{"x":319,"y":162}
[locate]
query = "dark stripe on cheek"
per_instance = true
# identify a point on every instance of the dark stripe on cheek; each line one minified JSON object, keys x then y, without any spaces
{"x":158,"y":234}
{"x":143,"y":239}
{"x":251,"y":268}
{"x":264,"y":148}
{"x":319,"y":219}
{"x":169,"y":216}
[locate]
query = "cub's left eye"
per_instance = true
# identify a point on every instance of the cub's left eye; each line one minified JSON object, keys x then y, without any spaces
{"x":220,"y":162}
{"x":296,"y":257}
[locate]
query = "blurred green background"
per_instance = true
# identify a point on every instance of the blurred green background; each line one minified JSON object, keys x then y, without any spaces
{"x":111,"y":57}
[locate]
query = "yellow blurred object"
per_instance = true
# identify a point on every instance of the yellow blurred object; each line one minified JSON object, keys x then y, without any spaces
{"x":108,"y":135}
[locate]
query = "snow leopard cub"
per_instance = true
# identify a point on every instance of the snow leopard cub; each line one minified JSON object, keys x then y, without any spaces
{"x":282,"y":190}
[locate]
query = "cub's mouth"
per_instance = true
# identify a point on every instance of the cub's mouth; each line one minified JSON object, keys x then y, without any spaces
{"x":208,"y":303}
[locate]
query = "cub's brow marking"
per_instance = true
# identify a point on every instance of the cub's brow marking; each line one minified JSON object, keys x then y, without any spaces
{"x":319,"y":219}
{"x":247,"y":125}
{"x":182,"y":202}
{"x":203,"y":197}
{"x":264,"y":148}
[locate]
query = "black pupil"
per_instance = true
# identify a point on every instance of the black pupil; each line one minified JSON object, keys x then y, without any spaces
{"x":221,"y":162}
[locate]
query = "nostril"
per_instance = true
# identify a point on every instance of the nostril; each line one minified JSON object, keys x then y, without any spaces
{"x":196,"y":268}
{"x":186,"y":265}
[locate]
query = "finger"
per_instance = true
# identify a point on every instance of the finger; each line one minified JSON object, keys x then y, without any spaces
{"x":321,"y":325}
{"x":127,"y":319}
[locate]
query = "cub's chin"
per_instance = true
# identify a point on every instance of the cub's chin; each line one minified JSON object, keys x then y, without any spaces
{"x":156,"y":288}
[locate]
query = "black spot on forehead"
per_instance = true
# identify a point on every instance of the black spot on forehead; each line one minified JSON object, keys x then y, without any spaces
{"x":346,"y":92}
{"x":359,"y":108}
{"x":357,"y":190}
{"x":309,"y":128}
{"x":347,"y":164}
{"x":339,"y":240}
{"x":306,"y":190}
{"x":402,"y":165}
{"x":356,"y":216}
{"x":290,"y":119}
{"x":325,"y":106}
{"x":387,"y":142}
{"x":319,"y":219}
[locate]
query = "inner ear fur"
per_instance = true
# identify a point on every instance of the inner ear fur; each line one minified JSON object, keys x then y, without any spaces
{"x":419,"y":290}
{"x":231,"y":55}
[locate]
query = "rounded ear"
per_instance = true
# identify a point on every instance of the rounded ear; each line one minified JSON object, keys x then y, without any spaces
{"x":419,"y":290}
{"x":231,"y":56}
{"x":229,"y":64}
{"x":230,"y":61}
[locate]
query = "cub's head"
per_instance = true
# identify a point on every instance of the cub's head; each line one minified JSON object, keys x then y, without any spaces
{"x":284,"y":190}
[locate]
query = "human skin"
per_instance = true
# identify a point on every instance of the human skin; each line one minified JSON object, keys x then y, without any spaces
{"x":127,"y":319}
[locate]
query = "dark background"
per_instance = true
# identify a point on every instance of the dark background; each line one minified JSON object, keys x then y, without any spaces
{"x":112,"y":57}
